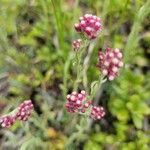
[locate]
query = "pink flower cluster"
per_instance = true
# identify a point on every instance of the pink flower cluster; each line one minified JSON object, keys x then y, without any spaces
{"x":24,"y":110}
{"x":109,"y":62}
{"x":89,"y":25}
{"x":21,"y":113}
{"x":7,"y":121}
{"x":77,"y":103}
{"x":97,"y":112}
{"x":76,"y":44}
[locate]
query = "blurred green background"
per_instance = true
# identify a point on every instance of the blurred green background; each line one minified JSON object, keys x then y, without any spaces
{"x":36,"y":63}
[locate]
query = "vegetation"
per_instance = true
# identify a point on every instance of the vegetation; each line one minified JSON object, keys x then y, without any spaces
{"x":36,"y":63}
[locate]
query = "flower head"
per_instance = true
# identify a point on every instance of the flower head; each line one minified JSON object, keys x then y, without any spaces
{"x":89,"y":25}
{"x":78,"y":103}
{"x":21,"y":113}
{"x":76,"y":44}
{"x":24,"y":110}
{"x":109,"y":62}
{"x":75,"y":101}
{"x":97,"y":113}
{"x":7,"y":120}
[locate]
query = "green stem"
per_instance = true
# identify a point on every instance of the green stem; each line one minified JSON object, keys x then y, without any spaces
{"x":78,"y":68}
{"x":79,"y":65}
{"x":97,"y":86}
{"x":65,"y":77}
{"x":80,"y":133}
{"x":86,"y":65}
{"x":59,"y":22}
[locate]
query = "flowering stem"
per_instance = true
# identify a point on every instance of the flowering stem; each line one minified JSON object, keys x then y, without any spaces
{"x":81,"y":128}
{"x":86,"y":64}
{"x":79,"y":66}
{"x":97,"y":86}
{"x":78,"y":61}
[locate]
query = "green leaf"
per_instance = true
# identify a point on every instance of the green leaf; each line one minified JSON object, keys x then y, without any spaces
{"x":137,"y":119}
{"x":90,"y":145}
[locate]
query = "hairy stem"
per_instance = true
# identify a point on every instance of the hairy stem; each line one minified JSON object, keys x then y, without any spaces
{"x":79,"y":65}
